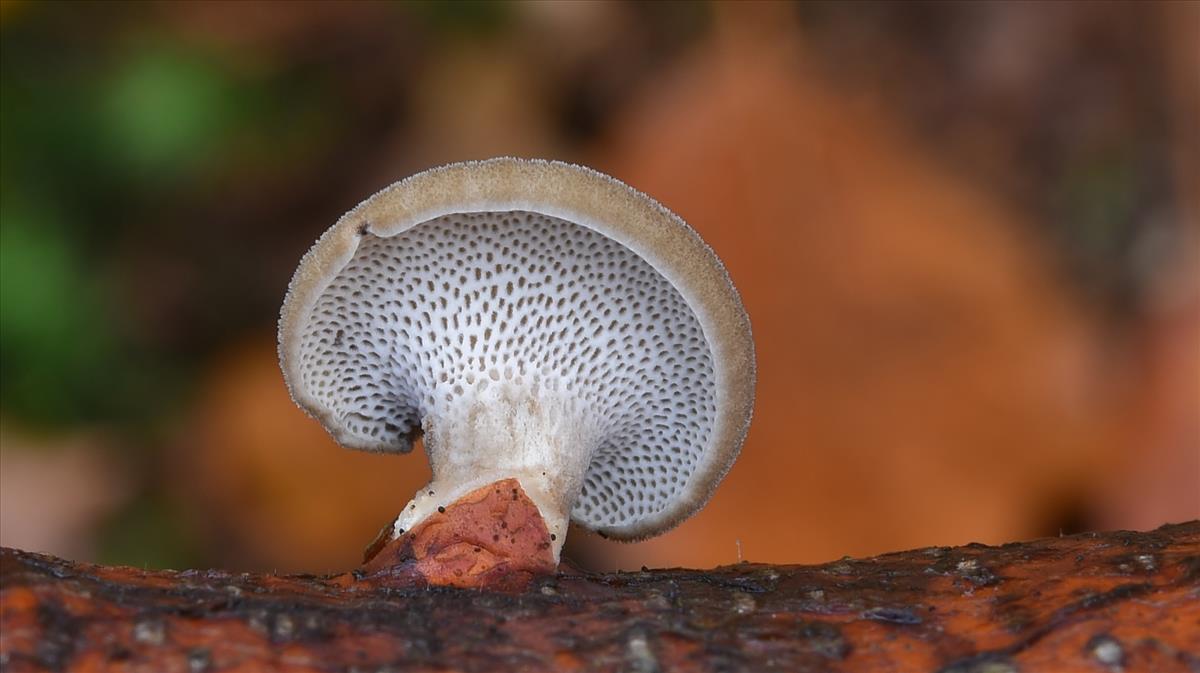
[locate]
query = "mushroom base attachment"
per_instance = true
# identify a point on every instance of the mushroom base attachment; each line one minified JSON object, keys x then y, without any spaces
{"x":492,"y":537}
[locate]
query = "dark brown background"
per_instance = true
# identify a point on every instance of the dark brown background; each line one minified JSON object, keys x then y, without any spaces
{"x":966,"y":235}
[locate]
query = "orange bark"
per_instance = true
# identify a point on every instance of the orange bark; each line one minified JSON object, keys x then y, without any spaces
{"x":1097,"y":602}
{"x":492,"y":537}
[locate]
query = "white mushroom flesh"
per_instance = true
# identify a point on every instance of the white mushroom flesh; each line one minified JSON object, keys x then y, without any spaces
{"x":524,"y":346}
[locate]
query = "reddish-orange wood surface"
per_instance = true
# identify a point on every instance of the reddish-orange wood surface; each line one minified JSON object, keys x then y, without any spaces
{"x":1090,"y":603}
{"x":492,"y":537}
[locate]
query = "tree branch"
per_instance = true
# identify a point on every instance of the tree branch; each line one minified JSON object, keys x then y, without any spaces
{"x":1097,"y":602}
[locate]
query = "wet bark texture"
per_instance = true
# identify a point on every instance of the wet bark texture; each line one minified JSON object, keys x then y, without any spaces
{"x":1097,"y":602}
{"x":493,"y":538}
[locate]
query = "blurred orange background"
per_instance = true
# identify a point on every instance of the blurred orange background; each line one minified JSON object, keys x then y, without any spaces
{"x":966,"y":234}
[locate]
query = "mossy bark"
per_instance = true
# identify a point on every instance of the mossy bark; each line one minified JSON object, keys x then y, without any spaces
{"x":1097,"y":602}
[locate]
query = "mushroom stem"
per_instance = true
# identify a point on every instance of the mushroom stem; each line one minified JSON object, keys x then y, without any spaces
{"x":509,"y":430}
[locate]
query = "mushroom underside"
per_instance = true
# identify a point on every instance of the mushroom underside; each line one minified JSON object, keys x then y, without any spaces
{"x":519,"y":342}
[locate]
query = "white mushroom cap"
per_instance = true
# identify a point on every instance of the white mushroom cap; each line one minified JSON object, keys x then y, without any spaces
{"x":535,"y":320}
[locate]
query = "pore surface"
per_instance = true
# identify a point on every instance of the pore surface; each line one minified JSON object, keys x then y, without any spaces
{"x":419,"y":324}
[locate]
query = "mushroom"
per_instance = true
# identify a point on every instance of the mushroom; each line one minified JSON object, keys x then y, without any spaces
{"x":535,"y":320}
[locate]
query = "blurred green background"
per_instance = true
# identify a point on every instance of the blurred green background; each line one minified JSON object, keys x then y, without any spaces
{"x":163,"y":166}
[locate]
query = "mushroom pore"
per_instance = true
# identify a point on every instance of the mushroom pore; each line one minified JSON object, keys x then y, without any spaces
{"x":524,"y":343}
